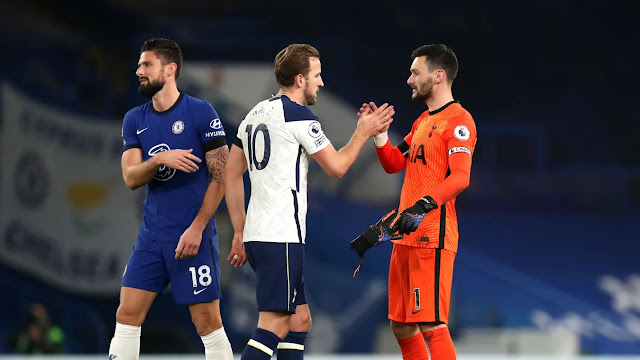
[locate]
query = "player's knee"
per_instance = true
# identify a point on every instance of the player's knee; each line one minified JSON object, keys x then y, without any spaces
{"x":206,"y":321}
{"x":402,"y":330}
{"x":128,"y":315}
{"x":305,"y":322}
{"x":301,"y":322}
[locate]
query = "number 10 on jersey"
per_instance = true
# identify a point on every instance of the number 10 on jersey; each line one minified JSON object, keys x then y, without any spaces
{"x":251,"y":144}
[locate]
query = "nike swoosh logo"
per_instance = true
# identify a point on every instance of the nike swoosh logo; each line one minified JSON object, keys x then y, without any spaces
{"x":140,"y":131}
{"x":196,"y":292}
{"x":415,"y":312}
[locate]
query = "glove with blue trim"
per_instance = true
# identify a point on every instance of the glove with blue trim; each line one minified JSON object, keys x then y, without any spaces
{"x":379,"y":232}
{"x":411,"y":217}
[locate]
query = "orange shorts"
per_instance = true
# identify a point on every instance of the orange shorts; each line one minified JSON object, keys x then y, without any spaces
{"x":420,"y":284}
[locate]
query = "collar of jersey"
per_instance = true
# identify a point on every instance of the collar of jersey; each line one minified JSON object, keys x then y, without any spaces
{"x":175,"y":104}
{"x":276,"y":97}
{"x":443,"y":107}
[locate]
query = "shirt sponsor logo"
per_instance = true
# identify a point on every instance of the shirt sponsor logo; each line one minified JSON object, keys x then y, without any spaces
{"x":417,"y":154}
{"x":459,"y":149}
{"x":215,"y":124}
{"x":164,"y":172}
{"x":138,"y":132}
{"x":215,"y":133}
{"x":461,"y":133}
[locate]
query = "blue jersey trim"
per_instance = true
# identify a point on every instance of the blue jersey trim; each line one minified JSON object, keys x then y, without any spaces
{"x":169,"y":110}
{"x":298,"y":168}
{"x":132,"y":146}
{"x":295,"y":214}
{"x":294,"y":111}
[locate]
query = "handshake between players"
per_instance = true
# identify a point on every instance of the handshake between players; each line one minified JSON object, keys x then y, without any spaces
{"x":392,"y":227}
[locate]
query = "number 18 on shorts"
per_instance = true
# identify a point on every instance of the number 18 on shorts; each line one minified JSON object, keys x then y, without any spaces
{"x":153,"y":266}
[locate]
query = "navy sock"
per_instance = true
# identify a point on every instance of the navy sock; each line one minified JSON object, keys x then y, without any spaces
{"x":261,"y":345}
{"x":292,"y":347}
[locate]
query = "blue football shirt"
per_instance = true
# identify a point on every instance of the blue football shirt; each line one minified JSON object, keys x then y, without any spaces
{"x":173,"y":197}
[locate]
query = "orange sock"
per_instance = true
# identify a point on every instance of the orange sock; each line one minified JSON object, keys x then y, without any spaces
{"x":440,"y":344}
{"x":414,"y":348}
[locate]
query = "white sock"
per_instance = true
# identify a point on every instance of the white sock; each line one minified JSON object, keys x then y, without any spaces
{"x":125,"y":344}
{"x":217,"y":346}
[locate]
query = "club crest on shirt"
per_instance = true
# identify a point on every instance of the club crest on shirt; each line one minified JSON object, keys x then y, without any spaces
{"x":314,"y":129}
{"x":177,"y":127}
{"x":461,"y":133}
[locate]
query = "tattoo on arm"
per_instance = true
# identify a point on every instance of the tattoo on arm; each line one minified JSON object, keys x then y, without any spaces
{"x":216,"y":161}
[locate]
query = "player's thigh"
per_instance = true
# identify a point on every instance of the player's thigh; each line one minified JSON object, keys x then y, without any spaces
{"x":134,"y":305}
{"x":279,"y":271}
{"x":420,"y":284}
{"x":197,"y":279}
{"x":146,"y":269}
{"x":398,"y":283}
{"x":430,"y":276}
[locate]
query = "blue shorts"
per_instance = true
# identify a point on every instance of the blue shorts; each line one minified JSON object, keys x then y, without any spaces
{"x":152,"y":266}
{"x":279,"y":280}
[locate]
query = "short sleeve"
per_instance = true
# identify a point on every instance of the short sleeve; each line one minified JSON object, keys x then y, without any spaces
{"x":309,"y":134}
{"x":460,"y":135}
{"x":129,"y":136}
{"x":212,"y":134}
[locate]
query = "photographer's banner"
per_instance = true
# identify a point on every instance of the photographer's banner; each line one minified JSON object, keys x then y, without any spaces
{"x":65,"y":214}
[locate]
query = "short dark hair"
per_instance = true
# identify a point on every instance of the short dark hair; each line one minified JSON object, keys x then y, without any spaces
{"x":293,"y":60}
{"x":167,"y":50}
{"x":439,"y":56}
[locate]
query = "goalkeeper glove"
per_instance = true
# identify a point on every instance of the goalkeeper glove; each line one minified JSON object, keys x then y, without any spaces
{"x":411,"y":217}
{"x":374,"y":235}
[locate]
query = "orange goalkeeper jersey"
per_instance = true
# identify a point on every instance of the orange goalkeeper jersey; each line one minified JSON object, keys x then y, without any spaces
{"x":435,"y":137}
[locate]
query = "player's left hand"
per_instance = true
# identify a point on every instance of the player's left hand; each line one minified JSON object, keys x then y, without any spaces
{"x":366,"y":108}
{"x":374,"y":120}
{"x":381,"y":231}
{"x":189,"y":243}
{"x":237,"y":256}
{"x":375,"y":234}
{"x":411,"y":217}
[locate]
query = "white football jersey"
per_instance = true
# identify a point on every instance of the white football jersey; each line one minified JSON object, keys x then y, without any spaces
{"x":278,"y":136}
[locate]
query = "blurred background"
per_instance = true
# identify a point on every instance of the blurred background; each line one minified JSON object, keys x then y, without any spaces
{"x":548,"y":257}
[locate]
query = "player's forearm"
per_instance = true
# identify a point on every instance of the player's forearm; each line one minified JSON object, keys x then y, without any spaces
{"x":141,"y":174}
{"x":234,"y":187}
{"x":234,"y":197}
{"x":210,"y":203}
{"x":216,"y":160}
{"x":451,"y":187}
{"x":391,"y":158}
{"x":348,"y":154}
